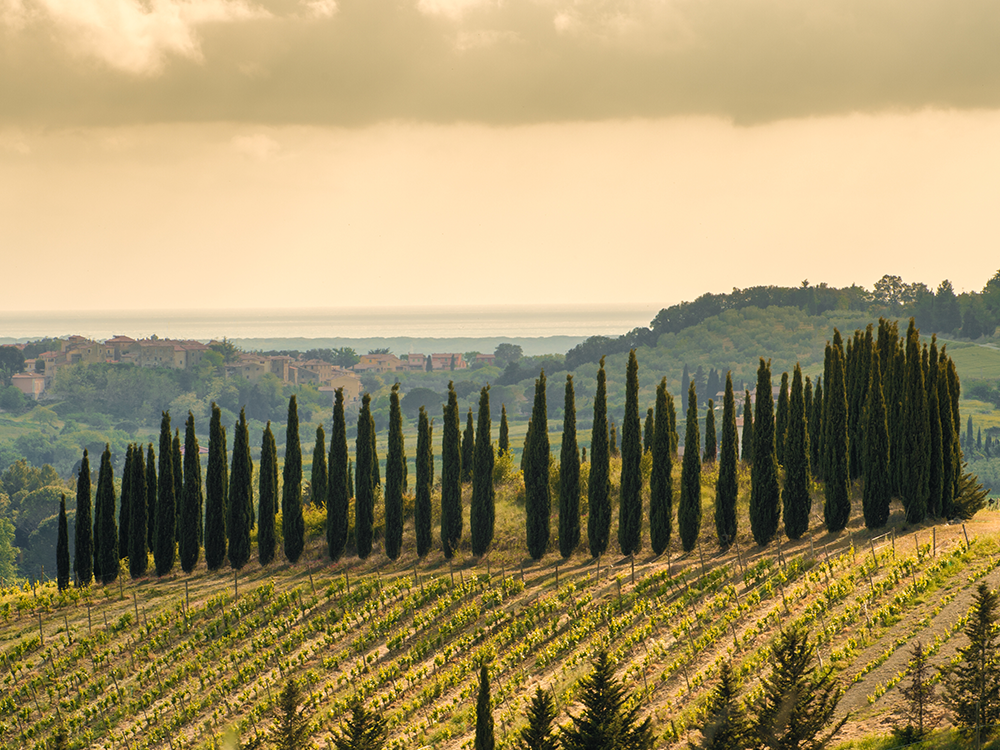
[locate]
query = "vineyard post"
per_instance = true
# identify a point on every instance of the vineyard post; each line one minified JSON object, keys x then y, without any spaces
{"x":105,"y":613}
{"x":489,"y":575}
{"x":934,"y":541}
{"x":347,"y":579}
{"x":41,"y":635}
{"x":739,"y":556}
{"x":916,"y":545}
{"x":871,"y":543}
{"x":90,"y":628}
{"x":135,"y":601}
{"x":69,"y":636}
{"x":967,"y":544}
{"x":236,"y":585}
{"x":35,"y":696}
{"x":598,"y":580}
{"x":187,"y":598}
{"x":736,"y":640}
{"x":522,"y":573}
{"x":312,"y":583}
{"x":618,"y":580}
{"x":451,"y":570}
{"x":414,"y":574}
{"x":632,"y":558}
{"x":701,"y":553}
{"x":812,"y":550}
{"x":121,"y":590}
{"x":557,"y":576}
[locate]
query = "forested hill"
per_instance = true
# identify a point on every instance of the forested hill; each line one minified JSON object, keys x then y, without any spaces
{"x":970,"y":314}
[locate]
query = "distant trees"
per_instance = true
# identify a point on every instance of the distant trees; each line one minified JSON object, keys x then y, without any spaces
{"x":536,"y":475}
{"x":482,"y":513}
{"x":503,"y":441}
{"x":338,"y":490}
{"x":711,"y":437}
{"x":599,"y":484}
{"x":569,"y":477}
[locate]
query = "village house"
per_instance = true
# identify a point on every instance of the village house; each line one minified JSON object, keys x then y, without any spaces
{"x":380,"y":363}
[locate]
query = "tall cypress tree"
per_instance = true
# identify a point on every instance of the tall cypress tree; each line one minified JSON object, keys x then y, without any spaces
{"x":216,"y":490}
{"x":797,"y":502}
{"x":503,"y":442}
{"x":62,"y":548}
{"x":318,"y":479}
{"x":837,"y":480}
{"x":781,"y":421}
{"x":599,"y":483}
{"x":816,"y":430}
{"x":164,"y":545}
{"x":536,"y":476}
{"x":451,"y":476}
{"x":395,"y":462}
{"x":949,"y":448}
{"x":660,"y":485}
{"x":338,"y":496}
{"x":422,"y":504}
{"x":689,"y":505}
{"x":152,"y":492}
{"x":915,"y":445}
{"x":936,"y":463}
{"x":711,"y":437}
{"x":364,"y":477}
{"x":240,"y":499}
{"x":83,"y":558}
{"x":672,"y":416}
{"x":484,"y":710}
{"x":569,"y":477}
{"x":267,"y":497}
{"x":482,"y":513}
{"x":468,"y":448}
{"x":177,"y":464}
{"x":727,"y":485}
{"x":765,"y":493}
{"x":648,"y":431}
{"x":954,"y":390}
{"x":630,"y":502}
{"x":105,"y":528}
{"x":124,"y":508}
{"x":877,"y":487}
{"x":746,"y":439}
{"x":138,"y":521}
{"x":191,"y":503}
{"x":292,"y":525}
{"x":859,"y":381}
{"x":807,"y":395}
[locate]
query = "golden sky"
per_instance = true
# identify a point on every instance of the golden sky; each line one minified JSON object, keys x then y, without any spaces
{"x":246,"y":153}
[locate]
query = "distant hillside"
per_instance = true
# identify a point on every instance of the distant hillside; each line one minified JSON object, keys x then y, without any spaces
{"x":531,"y":346}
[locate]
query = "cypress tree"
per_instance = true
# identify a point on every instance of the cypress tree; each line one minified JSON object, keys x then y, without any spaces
{"x":364,"y":477}
{"x":338,"y":491}
{"x":807,"y":395}
{"x":915,"y":445}
{"x":138,"y":521}
{"x":422,"y":504}
{"x":954,"y":389}
{"x":797,"y":503}
{"x":482,"y":513}
{"x":781,"y":421}
{"x":376,"y":475}
{"x":660,"y":485}
{"x":451,"y":476}
{"x":837,"y":484}
{"x":877,"y":488}
{"x":240,"y":499}
{"x":267,"y":496}
{"x":949,"y":447}
{"x":83,"y":558}
{"x":395,"y":462}
{"x":525,"y":453}
{"x":896,"y":407}
{"x":672,"y":416}
{"x":191,"y":502}
{"x":858,"y":385}
{"x":816,"y":430}
{"x":62,"y":548}
{"x":503,"y":442}
{"x":648,"y":431}
{"x":124,"y":509}
{"x":689,"y":505}
{"x":105,"y":528}
{"x":746,"y":439}
{"x":540,"y":730}
{"x":292,"y":525}
{"x":177,"y":465}
{"x":765,"y":493}
{"x":727,"y":485}
{"x":711,"y":437}
{"x":468,"y":448}
{"x":935,"y":481}
{"x":318,"y":479}
{"x":630,"y":501}
{"x":484,"y":711}
{"x":152,"y":492}
{"x":216,"y":489}
{"x":599,"y":484}
{"x":164,"y":546}
{"x":536,"y":477}
{"x":569,"y":477}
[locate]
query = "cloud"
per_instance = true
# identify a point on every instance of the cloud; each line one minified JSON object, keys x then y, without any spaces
{"x":500,"y":62}
{"x":131,"y":36}
{"x":257,"y":146}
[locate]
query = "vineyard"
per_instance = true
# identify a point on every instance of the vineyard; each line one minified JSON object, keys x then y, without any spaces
{"x":181,"y":661}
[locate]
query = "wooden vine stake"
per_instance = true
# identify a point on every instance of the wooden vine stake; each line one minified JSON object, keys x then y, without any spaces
{"x":135,"y":601}
{"x":236,"y":585}
{"x":632,"y":557}
{"x":41,"y":635}
{"x":701,"y":553}
{"x":347,"y":579}
{"x":187,"y":599}
{"x":965,"y":531}
{"x":934,"y":541}
{"x":871,"y":543}
{"x":90,"y":628}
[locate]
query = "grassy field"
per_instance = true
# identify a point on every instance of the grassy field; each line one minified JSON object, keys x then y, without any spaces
{"x":974,"y":361}
{"x":179,"y":661}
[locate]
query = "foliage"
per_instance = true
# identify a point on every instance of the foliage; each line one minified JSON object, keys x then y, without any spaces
{"x":165,"y":523}
{"x":540,"y":731}
{"x":836,"y":475}
{"x":915,"y":445}
{"x":216,"y":489}
{"x":62,"y":548}
{"x":339,"y":489}
{"x":764,"y":490}
{"x":877,"y":493}
{"x":451,"y":476}
{"x":797,"y":502}
{"x":599,"y":481}
{"x":395,"y":468}
{"x":105,"y":527}
{"x":972,"y":690}
{"x":482,"y":513}
{"x":291,"y":731}
{"x":291,"y":496}
{"x":711,"y":436}
{"x":318,"y":481}
{"x":536,"y":475}
{"x":727,"y":485}
{"x":240,"y":497}
{"x":365,"y":730}
{"x":267,"y":497}
{"x":919,"y":694}
{"x":84,"y":549}
{"x":630,"y":494}
{"x":569,"y":477}
{"x":468,"y":448}
{"x":425,"y":466}
{"x":484,"y":713}
{"x":725,"y":726}
{"x":364,"y":478}
{"x":689,"y":504}
{"x":191,"y":503}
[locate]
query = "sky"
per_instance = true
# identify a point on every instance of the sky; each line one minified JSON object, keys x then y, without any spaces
{"x":346,"y":153}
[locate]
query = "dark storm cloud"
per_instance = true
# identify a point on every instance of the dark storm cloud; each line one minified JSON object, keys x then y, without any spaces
{"x":357,"y":62}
